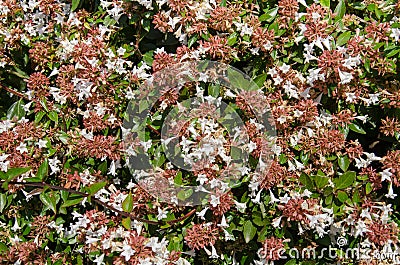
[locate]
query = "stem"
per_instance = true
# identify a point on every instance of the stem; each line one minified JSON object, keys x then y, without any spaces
{"x":97,"y":201}
{"x":14,"y":92}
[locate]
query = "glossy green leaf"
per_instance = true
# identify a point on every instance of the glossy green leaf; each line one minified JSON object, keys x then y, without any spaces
{"x":16,"y":110}
{"x":249,"y":231}
{"x":3,"y":201}
{"x":343,"y":38}
{"x":94,"y":188}
{"x":126,"y":222}
{"x":49,"y":199}
{"x":43,"y":170}
{"x":356,"y":128}
{"x":342,"y":196}
{"x":345,"y":180}
{"x":340,"y":10}
{"x":127,"y":204}
{"x":344,"y":162}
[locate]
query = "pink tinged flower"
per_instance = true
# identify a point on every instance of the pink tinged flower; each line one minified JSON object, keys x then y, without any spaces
{"x":22,"y":148}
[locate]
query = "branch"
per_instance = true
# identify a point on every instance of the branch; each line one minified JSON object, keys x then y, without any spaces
{"x":95,"y":200}
{"x":14,"y":92}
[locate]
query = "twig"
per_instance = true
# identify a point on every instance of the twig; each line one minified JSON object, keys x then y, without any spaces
{"x":153,"y":129}
{"x":95,"y":200}
{"x":14,"y":92}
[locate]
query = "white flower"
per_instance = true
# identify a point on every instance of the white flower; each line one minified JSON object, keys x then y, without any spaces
{"x":214,"y":200}
{"x":256,"y":200}
{"x":365,"y":213}
{"x":390,"y":193}
{"x":202,"y":213}
{"x":41,"y":143}
{"x":127,"y":252}
{"x":386,"y":175}
{"x":223,"y":222}
{"x":16,"y":226}
{"x":360,"y":229}
{"x":241,"y":207}
{"x":161,"y":214}
{"x":121,"y":51}
{"x":276,"y":222}
{"x":345,"y":77}
{"x":99,"y":260}
{"x":362,"y":118}
{"x":22,"y":148}
{"x":53,"y":163}
{"x":395,"y":34}
{"x":4,"y":163}
{"x":284,"y":68}
{"x":350,"y":97}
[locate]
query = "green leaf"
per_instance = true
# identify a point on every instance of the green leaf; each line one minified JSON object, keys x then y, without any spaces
{"x":340,"y":10}
{"x":259,"y":80}
{"x":16,"y":110}
{"x":213,"y":90}
{"x":232,"y":39}
{"x":249,"y":231}
{"x":43,"y":170}
{"x":127,"y":204}
{"x":237,"y":80}
{"x":344,"y":163}
{"x":326,"y":3}
{"x":49,"y":199}
{"x":356,"y":128}
{"x":39,"y":116}
{"x":368,"y":188}
{"x":343,"y":38}
{"x":306,"y":181}
{"x":126,"y":222}
{"x":192,"y":40}
{"x":342,"y":196}
{"x":345,"y":180}
{"x":269,"y":15}
{"x":72,"y":202}
{"x":75,"y":4}
{"x":3,"y":202}
{"x":184,"y":194}
{"x":94,"y":188}
{"x":148,"y":58}
{"x":53,"y":116}
{"x":321,"y":181}
{"x":15,"y":172}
